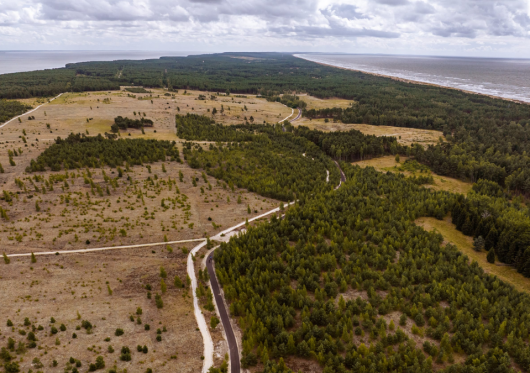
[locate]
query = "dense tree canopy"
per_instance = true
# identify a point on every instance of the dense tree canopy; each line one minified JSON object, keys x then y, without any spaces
{"x":10,"y":109}
{"x":79,"y":151}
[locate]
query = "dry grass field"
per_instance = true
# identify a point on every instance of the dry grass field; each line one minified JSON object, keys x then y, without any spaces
{"x":319,"y":103}
{"x":105,"y":289}
{"x":405,"y":136}
{"x":465,"y":244}
{"x":389,"y":163}
{"x":78,"y":209}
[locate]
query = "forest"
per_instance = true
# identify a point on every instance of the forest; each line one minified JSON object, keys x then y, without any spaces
{"x":80,"y":151}
{"x":488,"y":138}
{"x":10,"y":109}
{"x":287,"y":283}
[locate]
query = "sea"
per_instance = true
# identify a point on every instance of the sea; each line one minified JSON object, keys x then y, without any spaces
{"x":501,"y":77}
{"x":19,"y":61}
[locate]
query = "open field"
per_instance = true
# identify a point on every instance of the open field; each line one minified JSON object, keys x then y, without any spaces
{"x":405,"y":136}
{"x":389,"y":163}
{"x":105,"y":289}
{"x":90,"y":208}
{"x":465,"y":244}
{"x":319,"y":103}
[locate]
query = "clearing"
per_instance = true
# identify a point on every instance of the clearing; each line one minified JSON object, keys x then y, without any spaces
{"x":90,"y":208}
{"x":389,"y":163}
{"x":405,"y":136}
{"x":465,"y":245}
{"x":111,"y":290}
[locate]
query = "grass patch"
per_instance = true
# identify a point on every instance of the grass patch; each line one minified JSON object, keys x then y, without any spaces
{"x":389,"y":163}
{"x":465,"y":245}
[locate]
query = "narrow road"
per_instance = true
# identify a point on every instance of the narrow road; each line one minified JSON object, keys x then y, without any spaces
{"x":31,"y":111}
{"x":104,"y":248}
{"x":342,"y":175}
{"x":235,"y":364}
{"x":298,"y":116}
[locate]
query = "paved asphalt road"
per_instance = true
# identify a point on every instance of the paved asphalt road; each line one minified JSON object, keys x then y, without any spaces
{"x":235,"y":364}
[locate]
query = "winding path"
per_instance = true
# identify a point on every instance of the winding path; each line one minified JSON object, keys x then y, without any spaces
{"x":31,"y":111}
{"x":298,"y":116}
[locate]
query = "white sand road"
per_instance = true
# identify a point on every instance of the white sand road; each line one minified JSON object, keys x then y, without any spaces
{"x":223,"y":236}
{"x":80,"y":251}
{"x":31,"y":111}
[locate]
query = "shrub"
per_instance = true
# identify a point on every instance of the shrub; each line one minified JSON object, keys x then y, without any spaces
{"x":249,"y":360}
{"x":9,"y":322}
{"x":125,"y":354}
{"x":118,"y":332}
{"x":214,"y":321}
{"x":159,"y":302}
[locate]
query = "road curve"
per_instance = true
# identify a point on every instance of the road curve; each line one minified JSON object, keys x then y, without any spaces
{"x":298,"y":116}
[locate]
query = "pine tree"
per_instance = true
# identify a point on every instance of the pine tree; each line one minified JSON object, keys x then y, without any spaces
{"x":491,"y":256}
{"x":478,"y":243}
{"x":491,"y":239}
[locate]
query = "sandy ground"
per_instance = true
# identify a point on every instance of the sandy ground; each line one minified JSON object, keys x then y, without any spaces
{"x":153,"y":206}
{"x":72,"y":288}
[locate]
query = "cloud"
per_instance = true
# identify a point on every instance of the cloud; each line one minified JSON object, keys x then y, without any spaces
{"x":392,"y":2}
{"x":344,"y":11}
{"x":385,"y":25}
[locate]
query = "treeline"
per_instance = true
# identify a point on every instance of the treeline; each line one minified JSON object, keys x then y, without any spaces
{"x":10,"y":109}
{"x":80,"y":151}
{"x":200,"y":127}
{"x":124,"y":123}
{"x":285,"y":282}
{"x":277,"y":160}
{"x":271,"y":162}
{"x":48,"y":83}
{"x":504,"y":226}
{"x":291,"y":101}
{"x":351,"y":145}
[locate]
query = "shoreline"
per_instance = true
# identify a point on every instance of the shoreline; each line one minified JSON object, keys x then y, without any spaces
{"x":410,"y":81}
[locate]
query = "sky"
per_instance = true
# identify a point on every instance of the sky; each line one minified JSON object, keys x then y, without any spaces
{"x":482,"y":28}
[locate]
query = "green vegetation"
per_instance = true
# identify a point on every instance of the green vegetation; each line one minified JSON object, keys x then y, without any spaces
{"x":284,"y":281}
{"x":121,"y":123}
{"x":10,"y":109}
{"x":80,"y":151}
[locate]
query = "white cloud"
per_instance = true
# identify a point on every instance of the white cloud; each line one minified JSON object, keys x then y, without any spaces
{"x":491,"y":27}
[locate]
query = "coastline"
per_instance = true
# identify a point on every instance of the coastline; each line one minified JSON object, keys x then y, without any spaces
{"x":410,"y":81}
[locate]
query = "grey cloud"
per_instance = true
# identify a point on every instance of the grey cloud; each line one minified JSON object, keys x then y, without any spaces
{"x":392,"y":2}
{"x":318,"y":32}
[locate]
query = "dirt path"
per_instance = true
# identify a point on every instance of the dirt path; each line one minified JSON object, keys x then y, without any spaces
{"x":287,"y":117}
{"x":342,"y":175}
{"x":105,"y":248}
{"x":31,"y":111}
{"x":298,"y":116}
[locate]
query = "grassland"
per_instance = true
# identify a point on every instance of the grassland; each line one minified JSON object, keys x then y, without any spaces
{"x":78,"y":209}
{"x":105,"y":289}
{"x":405,"y":136}
{"x":389,"y":163}
{"x":465,"y":244}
